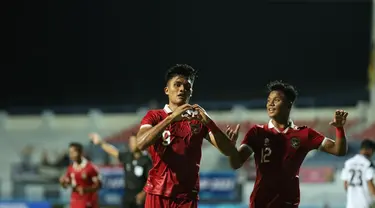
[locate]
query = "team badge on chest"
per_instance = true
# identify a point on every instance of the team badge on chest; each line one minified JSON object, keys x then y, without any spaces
{"x":295,"y":142}
{"x":195,"y":128}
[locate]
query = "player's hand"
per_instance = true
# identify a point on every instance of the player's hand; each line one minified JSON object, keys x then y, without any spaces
{"x":180,"y":113}
{"x":140,"y":198}
{"x":80,"y":190}
{"x":339,"y":119}
{"x":202,"y":114}
{"x":233,"y":133}
{"x":95,"y":138}
{"x":64,"y":180}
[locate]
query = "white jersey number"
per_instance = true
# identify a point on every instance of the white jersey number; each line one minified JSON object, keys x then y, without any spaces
{"x":355,"y":178}
{"x":265,"y":154}
{"x":166,"y":136}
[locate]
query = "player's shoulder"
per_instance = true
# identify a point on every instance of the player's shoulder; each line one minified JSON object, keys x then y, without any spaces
{"x":255,"y":128}
{"x":358,"y":159}
{"x":156,"y":112}
{"x":92,"y":166}
{"x":70,"y":167}
{"x":259,"y":127}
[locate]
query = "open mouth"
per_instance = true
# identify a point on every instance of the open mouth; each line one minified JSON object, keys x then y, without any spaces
{"x":271,"y":110}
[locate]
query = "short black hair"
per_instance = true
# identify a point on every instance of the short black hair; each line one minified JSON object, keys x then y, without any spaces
{"x":181,"y":70}
{"x":367,"y":144}
{"x":289,"y":91}
{"x":77,"y":146}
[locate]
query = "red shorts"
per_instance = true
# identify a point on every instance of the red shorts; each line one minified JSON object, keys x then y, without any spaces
{"x":156,"y":201}
{"x":83,"y":204}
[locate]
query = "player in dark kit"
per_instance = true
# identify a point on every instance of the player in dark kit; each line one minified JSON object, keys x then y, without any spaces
{"x":280,"y":147}
{"x":136,"y":166}
{"x":83,"y":177}
{"x":173,"y":137}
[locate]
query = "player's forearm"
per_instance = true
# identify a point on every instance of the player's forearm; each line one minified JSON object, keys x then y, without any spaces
{"x":92,"y":188}
{"x":235,"y":160}
{"x":64,"y":185}
{"x":110,"y":149}
{"x":149,"y":137}
{"x":341,"y":146}
{"x":220,"y":139}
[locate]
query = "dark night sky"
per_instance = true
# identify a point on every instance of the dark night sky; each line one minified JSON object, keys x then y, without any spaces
{"x":114,"y":52}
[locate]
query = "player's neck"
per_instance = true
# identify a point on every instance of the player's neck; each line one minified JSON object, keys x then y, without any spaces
{"x":79,"y":161}
{"x":173,"y":106}
{"x":365,"y":154}
{"x":280,"y":123}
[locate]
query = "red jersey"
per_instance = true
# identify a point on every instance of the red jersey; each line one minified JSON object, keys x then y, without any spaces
{"x":83,"y":175}
{"x":176,"y":156}
{"x":278,"y":158}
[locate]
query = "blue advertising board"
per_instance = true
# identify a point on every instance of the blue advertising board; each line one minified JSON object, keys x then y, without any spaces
{"x":214,"y":186}
{"x":218,"y":186}
{"x":24,"y":204}
{"x":112,"y":185}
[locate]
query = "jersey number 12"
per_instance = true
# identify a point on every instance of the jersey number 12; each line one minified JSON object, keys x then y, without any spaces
{"x":265,"y":154}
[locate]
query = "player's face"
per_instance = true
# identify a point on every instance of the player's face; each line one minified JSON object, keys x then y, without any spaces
{"x":74,"y":155}
{"x":179,"y":90}
{"x":371,"y":152}
{"x":277,"y":104}
{"x":133,"y":143}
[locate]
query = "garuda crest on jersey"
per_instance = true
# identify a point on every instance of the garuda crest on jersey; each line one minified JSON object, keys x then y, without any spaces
{"x":195,"y":128}
{"x":295,"y":142}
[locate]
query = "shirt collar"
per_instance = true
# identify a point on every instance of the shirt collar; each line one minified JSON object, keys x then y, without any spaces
{"x":166,"y":109}
{"x":81,"y":165}
{"x":271,"y":126}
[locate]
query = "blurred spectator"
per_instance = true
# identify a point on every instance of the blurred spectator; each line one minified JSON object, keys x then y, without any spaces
{"x":61,"y":162}
{"x":26,"y":157}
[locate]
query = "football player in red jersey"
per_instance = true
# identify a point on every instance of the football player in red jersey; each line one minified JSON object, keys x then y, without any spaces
{"x":280,"y":147}
{"x":83,"y":177}
{"x":173,"y":137}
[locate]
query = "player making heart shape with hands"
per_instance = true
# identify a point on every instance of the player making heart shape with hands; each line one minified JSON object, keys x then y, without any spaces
{"x":190,"y":112}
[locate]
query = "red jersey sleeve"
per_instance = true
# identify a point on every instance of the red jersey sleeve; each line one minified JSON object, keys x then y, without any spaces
{"x":150,"y":119}
{"x":315,"y":139}
{"x":250,"y":137}
{"x":94,"y":173}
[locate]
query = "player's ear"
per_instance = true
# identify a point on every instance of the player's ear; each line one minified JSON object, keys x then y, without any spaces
{"x":166,"y":91}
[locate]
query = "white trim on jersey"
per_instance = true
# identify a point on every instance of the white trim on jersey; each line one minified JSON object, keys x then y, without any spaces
{"x":324,"y":141}
{"x":245,"y":145}
{"x":145,"y":125}
{"x":292,"y":125}
{"x":167,"y":109}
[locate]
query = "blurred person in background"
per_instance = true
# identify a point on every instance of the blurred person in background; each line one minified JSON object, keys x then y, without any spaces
{"x":136,"y":166}
{"x":358,"y":175}
{"x":63,"y":160}
{"x":83,"y":177}
{"x":174,"y":136}
{"x":26,"y":160}
{"x":280,"y":147}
